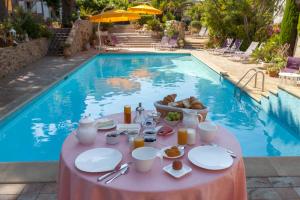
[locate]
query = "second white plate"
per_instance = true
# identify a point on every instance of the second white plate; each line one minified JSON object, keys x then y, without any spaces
{"x":98,"y":160}
{"x":210,"y":157}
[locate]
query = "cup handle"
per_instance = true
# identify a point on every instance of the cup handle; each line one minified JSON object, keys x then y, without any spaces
{"x":201,"y":117}
{"x":160,"y":156}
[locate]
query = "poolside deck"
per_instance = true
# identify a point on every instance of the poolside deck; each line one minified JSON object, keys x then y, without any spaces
{"x":259,"y":188}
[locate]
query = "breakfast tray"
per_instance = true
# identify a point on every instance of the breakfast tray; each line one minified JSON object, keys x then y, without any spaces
{"x":165,"y":109}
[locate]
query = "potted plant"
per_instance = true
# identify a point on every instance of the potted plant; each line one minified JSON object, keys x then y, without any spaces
{"x":274,"y":69}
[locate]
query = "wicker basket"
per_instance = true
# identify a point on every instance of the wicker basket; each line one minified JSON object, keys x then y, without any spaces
{"x":165,"y":109}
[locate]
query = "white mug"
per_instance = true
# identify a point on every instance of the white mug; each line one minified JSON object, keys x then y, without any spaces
{"x":144,"y":158}
{"x":208,"y":131}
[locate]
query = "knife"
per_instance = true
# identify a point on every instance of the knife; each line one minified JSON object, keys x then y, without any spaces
{"x":101,"y":178}
{"x":120,"y":173}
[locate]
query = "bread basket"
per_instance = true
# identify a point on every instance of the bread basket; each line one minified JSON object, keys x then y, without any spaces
{"x":165,"y":109}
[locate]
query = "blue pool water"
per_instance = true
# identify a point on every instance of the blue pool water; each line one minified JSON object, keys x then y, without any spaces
{"x":107,"y":82}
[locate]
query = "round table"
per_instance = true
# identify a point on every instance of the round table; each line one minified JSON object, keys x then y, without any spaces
{"x":200,"y":184}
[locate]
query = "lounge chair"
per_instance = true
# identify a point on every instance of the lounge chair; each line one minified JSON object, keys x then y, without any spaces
{"x":113,"y":42}
{"x":164,"y":43}
{"x":226,"y":45}
{"x":172,"y":44}
{"x":234,"y":48}
{"x":291,"y":71}
{"x":202,"y":32}
{"x":245,"y":55}
{"x":293,"y":65}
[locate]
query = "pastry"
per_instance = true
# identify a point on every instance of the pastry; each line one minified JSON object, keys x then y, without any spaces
{"x":169,"y":99}
{"x":172,"y":152}
{"x":177,"y":165}
{"x":197,"y":105}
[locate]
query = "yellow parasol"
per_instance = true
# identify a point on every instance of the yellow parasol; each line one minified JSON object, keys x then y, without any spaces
{"x":114,"y":16}
{"x":145,"y":9}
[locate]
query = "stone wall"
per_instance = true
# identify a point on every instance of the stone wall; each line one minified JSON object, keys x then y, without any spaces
{"x":14,"y":58}
{"x":78,"y":38}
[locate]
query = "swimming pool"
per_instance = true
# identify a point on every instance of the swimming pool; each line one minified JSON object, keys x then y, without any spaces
{"x":107,"y":82}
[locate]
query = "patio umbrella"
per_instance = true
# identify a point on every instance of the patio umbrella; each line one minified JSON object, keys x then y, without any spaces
{"x":145,"y":9}
{"x":113,"y":16}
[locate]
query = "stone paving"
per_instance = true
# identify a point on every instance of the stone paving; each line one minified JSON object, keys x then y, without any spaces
{"x":259,"y":188}
{"x":19,"y":87}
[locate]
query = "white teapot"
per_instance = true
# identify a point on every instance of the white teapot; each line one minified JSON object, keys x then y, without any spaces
{"x":87,"y":131}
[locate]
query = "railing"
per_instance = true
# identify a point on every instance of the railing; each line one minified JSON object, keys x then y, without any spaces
{"x":256,"y":73}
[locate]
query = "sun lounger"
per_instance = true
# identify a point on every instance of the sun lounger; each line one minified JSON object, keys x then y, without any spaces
{"x":234,"y":48}
{"x":291,"y":71}
{"x":202,"y":32}
{"x":226,"y":45}
{"x":164,"y":43}
{"x":172,"y":44}
{"x":245,"y":55}
{"x":293,"y":65}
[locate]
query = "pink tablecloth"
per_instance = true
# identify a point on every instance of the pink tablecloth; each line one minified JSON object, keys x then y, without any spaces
{"x":200,"y":184}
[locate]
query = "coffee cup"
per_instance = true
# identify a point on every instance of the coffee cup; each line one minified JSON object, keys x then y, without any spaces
{"x":144,"y":158}
{"x":208,"y":131}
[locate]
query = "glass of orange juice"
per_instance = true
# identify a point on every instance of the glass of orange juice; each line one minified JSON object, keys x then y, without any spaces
{"x":138,"y":142}
{"x":182,"y":136}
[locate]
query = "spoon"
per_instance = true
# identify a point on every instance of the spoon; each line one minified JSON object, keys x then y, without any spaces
{"x":101,"y":178}
{"x":231,"y":153}
{"x":122,"y":172}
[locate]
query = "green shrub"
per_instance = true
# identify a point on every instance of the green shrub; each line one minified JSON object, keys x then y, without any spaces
{"x":144,"y":19}
{"x":167,"y":17}
{"x":272,"y":52}
{"x":154,"y":25}
{"x":288,"y":32}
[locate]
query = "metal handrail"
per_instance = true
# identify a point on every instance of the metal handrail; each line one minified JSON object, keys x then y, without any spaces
{"x":252,"y":69}
{"x":249,"y":80}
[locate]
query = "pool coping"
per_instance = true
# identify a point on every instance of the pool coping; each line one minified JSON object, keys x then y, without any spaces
{"x":21,"y":172}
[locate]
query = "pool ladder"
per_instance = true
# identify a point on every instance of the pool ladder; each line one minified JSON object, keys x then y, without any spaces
{"x":256,"y":73}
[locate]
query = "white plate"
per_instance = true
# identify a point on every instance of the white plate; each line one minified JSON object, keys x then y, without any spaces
{"x":177,"y":173}
{"x":166,"y":156}
{"x":107,"y":127}
{"x":210,"y":157}
{"x":128,"y":127}
{"x":98,"y":160}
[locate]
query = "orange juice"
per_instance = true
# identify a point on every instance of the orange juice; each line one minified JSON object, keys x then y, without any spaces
{"x":182,"y":136}
{"x":127,"y":114}
{"x":138,"y":142}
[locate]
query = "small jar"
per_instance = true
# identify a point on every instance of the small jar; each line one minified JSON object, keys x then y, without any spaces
{"x":112,"y":137}
{"x":127,"y":114}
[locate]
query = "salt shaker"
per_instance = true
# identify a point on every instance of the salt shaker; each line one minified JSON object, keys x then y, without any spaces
{"x":140,"y":115}
{"x":191,"y":136}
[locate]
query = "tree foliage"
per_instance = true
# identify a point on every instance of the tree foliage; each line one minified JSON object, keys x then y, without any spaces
{"x":96,"y":6}
{"x":249,"y":20}
{"x":289,"y":23}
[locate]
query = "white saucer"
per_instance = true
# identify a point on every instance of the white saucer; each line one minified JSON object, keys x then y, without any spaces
{"x":177,"y":173}
{"x":166,"y":156}
{"x":107,"y":127}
